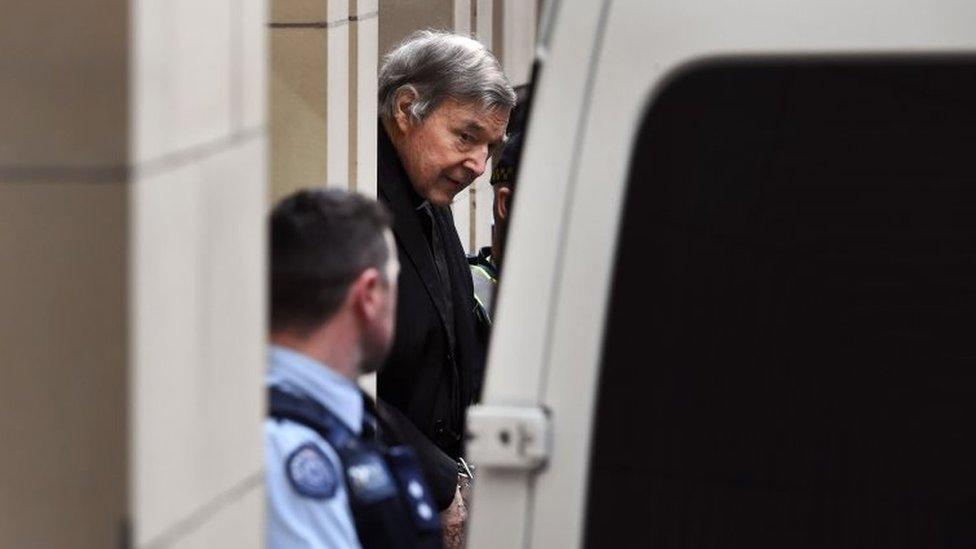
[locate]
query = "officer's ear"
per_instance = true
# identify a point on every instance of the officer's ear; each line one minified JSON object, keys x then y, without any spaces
{"x":366,"y":294}
{"x":502,"y":198}
{"x":403,"y":102}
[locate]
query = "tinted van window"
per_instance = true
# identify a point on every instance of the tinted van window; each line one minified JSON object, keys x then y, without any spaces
{"x":790,"y":354}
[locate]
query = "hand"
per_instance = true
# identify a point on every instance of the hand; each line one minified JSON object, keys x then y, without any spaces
{"x":453,"y":521}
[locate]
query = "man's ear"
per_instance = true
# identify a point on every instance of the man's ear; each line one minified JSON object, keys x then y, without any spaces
{"x":402,"y":103}
{"x":502,"y":201}
{"x":365,"y":293}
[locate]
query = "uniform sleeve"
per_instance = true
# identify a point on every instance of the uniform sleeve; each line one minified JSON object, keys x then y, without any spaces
{"x":311,"y":520}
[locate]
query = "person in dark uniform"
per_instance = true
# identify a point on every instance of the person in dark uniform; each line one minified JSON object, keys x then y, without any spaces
{"x":486,"y":264}
{"x":330,"y":482}
{"x":444,"y":104}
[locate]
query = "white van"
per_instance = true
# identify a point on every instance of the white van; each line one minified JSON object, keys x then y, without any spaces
{"x":738,"y":303}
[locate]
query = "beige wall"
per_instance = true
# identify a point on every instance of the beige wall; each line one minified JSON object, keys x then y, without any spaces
{"x":63,"y":475}
{"x":398,"y":18}
{"x":323,"y":64}
{"x":63,"y":283}
{"x":132,"y":203}
{"x":197,"y":266}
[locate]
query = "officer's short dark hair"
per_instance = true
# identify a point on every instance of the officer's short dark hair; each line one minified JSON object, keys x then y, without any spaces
{"x":321,"y":241}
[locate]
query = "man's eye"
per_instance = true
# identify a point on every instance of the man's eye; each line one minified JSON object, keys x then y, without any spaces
{"x":466,"y":137}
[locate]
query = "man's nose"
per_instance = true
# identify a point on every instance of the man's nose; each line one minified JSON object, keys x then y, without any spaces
{"x":477,"y":160}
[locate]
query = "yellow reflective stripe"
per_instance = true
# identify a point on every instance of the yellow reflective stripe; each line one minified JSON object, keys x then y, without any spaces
{"x":484,"y":310}
{"x":483,"y":272}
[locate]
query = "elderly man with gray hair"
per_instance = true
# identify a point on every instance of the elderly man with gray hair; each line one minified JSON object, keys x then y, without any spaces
{"x":444,"y":104}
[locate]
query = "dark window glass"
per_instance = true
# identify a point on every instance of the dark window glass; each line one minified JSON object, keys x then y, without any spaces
{"x":790,"y":354}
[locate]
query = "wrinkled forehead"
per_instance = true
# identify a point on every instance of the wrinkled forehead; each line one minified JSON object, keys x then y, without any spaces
{"x":472,"y":116}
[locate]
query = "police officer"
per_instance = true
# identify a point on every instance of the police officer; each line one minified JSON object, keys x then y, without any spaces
{"x":485,"y":264}
{"x":330,"y":482}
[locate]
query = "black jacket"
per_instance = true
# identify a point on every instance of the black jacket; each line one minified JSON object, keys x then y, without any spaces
{"x":439,"y":469}
{"x":423,"y":378}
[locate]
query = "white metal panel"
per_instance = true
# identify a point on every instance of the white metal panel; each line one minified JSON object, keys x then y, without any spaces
{"x":646,"y":43}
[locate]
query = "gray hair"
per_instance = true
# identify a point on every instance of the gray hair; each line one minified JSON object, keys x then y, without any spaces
{"x":438,"y":65}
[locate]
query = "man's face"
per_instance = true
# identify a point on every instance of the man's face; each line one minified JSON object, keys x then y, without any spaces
{"x":379,"y":334}
{"x":446,"y":151}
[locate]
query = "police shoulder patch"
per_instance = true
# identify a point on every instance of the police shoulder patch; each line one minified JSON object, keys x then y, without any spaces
{"x":311,"y":473}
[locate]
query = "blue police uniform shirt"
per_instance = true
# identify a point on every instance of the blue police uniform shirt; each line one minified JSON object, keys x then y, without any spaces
{"x":307,"y":502}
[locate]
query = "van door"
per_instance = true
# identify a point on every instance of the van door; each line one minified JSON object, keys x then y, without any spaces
{"x":647,"y":48}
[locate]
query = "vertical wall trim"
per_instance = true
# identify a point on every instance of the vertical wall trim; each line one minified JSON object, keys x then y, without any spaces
{"x":483,"y":24}
{"x":473,"y":217}
{"x":363,"y":60}
{"x":354,"y":62}
{"x":462,"y":17}
{"x":337,"y":130}
{"x":518,"y":22}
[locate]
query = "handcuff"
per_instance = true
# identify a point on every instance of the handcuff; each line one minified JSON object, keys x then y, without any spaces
{"x":465,"y":474}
